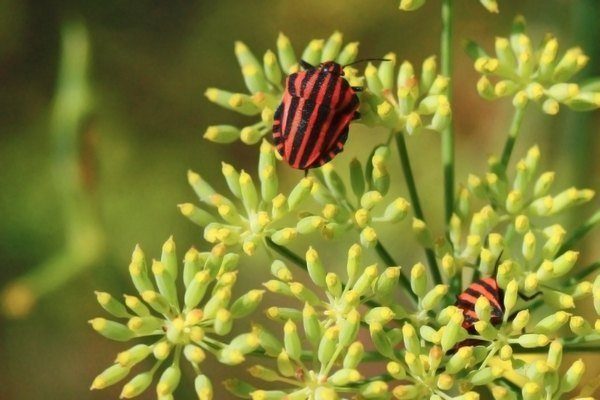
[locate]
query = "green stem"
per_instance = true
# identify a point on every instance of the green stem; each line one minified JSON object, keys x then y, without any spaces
{"x":389,"y":261}
{"x":585,"y":272}
{"x":448,"y":133}
{"x":287,"y":253}
{"x":580,"y":232}
{"x":416,"y":203}
{"x":513,"y":134}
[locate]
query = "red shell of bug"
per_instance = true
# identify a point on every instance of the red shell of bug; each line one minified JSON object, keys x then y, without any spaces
{"x":311,"y":125}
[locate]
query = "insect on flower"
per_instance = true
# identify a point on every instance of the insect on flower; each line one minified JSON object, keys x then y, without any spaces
{"x":488,"y":288}
{"x":311,"y":124}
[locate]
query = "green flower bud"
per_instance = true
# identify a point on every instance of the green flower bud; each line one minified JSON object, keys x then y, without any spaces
{"x":145,"y":325}
{"x":434,"y":297}
{"x":380,"y":340}
{"x":486,"y":330}
{"x":192,"y":264}
{"x":510,"y":296}
{"x":334,"y":285}
{"x":485,"y":376}
{"x":485,"y":88}
{"x":532,"y":391}
{"x":373,"y":82}
{"x":411,"y":5}
{"x":267,"y":395}
{"x":407,"y":392}
{"x":387,"y":283}
{"x":312,"y":326}
{"x":283,"y":313}
{"x":550,"y":106}
{"x":344,"y":377}
{"x":558,"y":299}
{"x":520,"y":321}
{"x":422,"y":233}
{"x":328,"y":345}
{"x":441,"y":118}
{"x":196,"y":215}
{"x":571,"y":197}
{"x":368,"y":237}
{"x":203,"y":387}
{"x":230,"y":356}
{"x":374,"y":390}
{"x":165,"y":282}
{"x":266,"y":374}
{"x":365,"y":280}
{"x":312,"y":52}
{"x":353,"y":355}
{"x":278,"y":287}
{"x":161,"y":350}
{"x":381,"y":315}
{"x":247,"y":303}
{"x":531,"y":340}
{"x":139,"y":271}
{"x":196,"y":289}
{"x":111,"y":330}
{"x":411,"y":340}
{"x":268,"y":182}
{"x":232,"y":101}
{"x":111,"y":305}
{"x":506,"y":352}
{"x":459,"y":360}
{"x":291,"y":340}
{"x":300,"y":192}
{"x":110,"y":376}
{"x":284,"y":236}
{"x":222,"y":133}
{"x":219,"y":300}
{"x":286,"y":54}
{"x":353,"y":265}
{"x":357,"y":179}
{"x":572,"y":377}
{"x":267,"y":341}
{"x":414,"y":363}
{"x":281,"y":271}
{"x":483,"y":308}
{"x":348,"y":53}
{"x":303,"y":293}
{"x":580,"y":326}
{"x":137,"y":385}
{"x":585,"y":101}
{"x":552,"y":323}
{"x":555,"y":355}
{"x":552,"y":246}
{"x":520,"y":99}
{"x":473,"y":247}
{"x":194,"y":354}
{"x":529,"y":246}
{"x":568,"y":65}
{"x":453,"y":332}
{"x":169,"y":380}
{"x":386,"y":71}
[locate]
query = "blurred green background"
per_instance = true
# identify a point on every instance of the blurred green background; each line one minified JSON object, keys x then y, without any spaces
{"x":150,"y":62}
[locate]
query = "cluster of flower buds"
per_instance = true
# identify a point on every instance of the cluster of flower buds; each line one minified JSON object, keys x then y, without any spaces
{"x":174,"y":325}
{"x":527,"y":73}
{"x":412,"y":5}
{"x":265,"y":82}
{"x":263,"y":208}
{"x":342,"y":298}
{"x":513,"y":222}
{"x":369,"y":185}
{"x":328,"y":372}
{"x":403,"y":102}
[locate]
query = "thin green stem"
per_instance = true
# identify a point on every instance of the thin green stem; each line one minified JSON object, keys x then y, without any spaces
{"x":448,"y":133}
{"x":389,"y":261}
{"x":585,"y":272}
{"x":580,"y":232}
{"x":513,"y":134}
{"x":287,"y":253}
{"x":415,"y":201}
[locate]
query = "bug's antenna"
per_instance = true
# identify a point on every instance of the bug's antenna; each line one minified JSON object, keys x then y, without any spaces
{"x":366,"y":59}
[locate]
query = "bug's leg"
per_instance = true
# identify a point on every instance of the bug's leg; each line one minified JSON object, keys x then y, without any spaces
{"x":529,"y":298}
{"x":306,"y":65}
{"x":306,"y":172}
{"x":357,"y":88}
{"x":356,"y":115}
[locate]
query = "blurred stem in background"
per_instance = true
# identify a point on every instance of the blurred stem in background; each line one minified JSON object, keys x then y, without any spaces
{"x":448,"y":134}
{"x":577,"y":135}
{"x":73,"y":168}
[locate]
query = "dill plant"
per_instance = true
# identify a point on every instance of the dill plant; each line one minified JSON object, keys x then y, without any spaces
{"x":339,"y":327}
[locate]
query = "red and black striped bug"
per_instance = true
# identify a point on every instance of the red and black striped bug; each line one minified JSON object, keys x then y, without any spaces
{"x":311,"y":125}
{"x":488,"y":288}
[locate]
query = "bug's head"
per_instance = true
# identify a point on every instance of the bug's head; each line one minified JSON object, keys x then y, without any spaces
{"x":333,"y":68}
